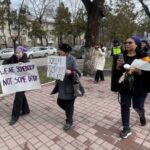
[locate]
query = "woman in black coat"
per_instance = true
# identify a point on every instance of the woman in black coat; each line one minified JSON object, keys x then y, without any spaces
{"x":139,"y":94}
{"x":20,"y":105}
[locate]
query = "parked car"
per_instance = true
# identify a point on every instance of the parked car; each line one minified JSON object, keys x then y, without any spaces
{"x":78,"y":51}
{"x":6,"y":53}
{"x":40,"y":52}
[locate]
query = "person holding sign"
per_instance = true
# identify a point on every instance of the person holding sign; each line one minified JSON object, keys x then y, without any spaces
{"x":20,"y":105}
{"x":66,"y":96}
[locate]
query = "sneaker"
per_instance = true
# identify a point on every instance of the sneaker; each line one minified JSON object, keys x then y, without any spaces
{"x":67,"y":126}
{"x":125,"y":133}
{"x":143,"y":121}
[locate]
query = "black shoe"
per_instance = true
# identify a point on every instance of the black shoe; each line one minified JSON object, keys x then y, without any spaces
{"x":143,"y":121}
{"x":13,"y":121}
{"x":95,"y":82}
{"x":125,"y":133}
{"x":67,"y":126}
{"x":23,"y":114}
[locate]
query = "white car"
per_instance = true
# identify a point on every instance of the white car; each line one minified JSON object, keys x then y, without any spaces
{"x":40,"y":52}
{"x":6,"y":53}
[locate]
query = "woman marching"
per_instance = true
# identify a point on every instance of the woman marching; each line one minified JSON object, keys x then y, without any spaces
{"x":20,"y":105}
{"x":65,"y":89}
{"x":139,"y":94}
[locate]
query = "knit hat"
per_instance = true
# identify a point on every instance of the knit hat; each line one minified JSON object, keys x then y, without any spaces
{"x":65,"y":47}
{"x":137,"y":40}
{"x":21,"y":48}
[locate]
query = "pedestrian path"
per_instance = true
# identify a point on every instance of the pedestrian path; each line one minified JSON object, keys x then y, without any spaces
{"x":97,"y":122}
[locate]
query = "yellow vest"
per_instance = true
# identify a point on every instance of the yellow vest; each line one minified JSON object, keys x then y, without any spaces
{"x":116,"y":50}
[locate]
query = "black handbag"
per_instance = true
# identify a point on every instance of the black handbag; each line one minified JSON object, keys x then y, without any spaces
{"x":55,"y":89}
{"x":126,"y":83}
{"x":77,"y":86}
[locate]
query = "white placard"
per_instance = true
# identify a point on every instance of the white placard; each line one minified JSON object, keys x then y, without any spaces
{"x":19,"y":77}
{"x":56,"y":67}
{"x":141,"y":64}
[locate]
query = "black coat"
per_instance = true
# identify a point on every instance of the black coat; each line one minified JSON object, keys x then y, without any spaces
{"x":13,"y":59}
{"x":142,"y":82}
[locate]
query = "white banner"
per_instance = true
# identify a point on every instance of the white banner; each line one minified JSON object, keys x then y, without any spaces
{"x":56,"y":67}
{"x":141,"y":64}
{"x":19,"y":77}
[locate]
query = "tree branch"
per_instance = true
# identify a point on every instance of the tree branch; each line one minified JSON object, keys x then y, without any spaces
{"x":145,"y":7}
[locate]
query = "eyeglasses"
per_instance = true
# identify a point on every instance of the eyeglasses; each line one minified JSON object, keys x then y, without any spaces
{"x":128,"y":42}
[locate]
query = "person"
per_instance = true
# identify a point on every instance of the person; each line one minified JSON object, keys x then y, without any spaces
{"x":99,"y":62}
{"x":145,"y":47}
{"x":139,"y":94}
{"x":66,"y":98}
{"x":20,"y":105}
{"x":115,"y":52}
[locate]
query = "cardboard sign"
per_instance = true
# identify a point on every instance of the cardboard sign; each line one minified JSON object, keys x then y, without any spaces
{"x":56,"y":67}
{"x":19,"y":77}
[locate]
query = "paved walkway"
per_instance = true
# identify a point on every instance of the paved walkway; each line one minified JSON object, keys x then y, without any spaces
{"x":96,"y":122}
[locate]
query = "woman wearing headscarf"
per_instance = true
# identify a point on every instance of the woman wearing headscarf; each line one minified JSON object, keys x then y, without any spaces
{"x":65,"y":89}
{"x":139,"y":94}
{"x":20,"y":105}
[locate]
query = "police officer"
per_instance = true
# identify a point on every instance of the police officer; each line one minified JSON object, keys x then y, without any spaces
{"x":116,"y":51}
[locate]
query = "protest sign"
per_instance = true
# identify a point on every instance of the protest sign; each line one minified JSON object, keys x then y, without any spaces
{"x":19,"y":77}
{"x":141,"y":64}
{"x":56,"y":67}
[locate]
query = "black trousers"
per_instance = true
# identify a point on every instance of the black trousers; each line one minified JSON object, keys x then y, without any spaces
{"x":99,"y":74}
{"x":20,"y":105}
{"x":138,"y":104}
{"x":68,"y":107}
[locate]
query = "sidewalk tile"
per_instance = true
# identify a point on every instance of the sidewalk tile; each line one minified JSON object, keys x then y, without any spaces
{"x":97,"y":122}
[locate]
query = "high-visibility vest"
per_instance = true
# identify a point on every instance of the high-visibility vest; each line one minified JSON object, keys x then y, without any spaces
{"x":116,"y":50}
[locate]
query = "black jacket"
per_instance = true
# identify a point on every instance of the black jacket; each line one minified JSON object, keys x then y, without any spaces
{"x":13,"y":59}
{"x":142,"y":82}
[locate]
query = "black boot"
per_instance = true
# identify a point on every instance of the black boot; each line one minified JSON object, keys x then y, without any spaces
{"x":13,"y":121}
{"x":143,"y":121}
{"x":142,"y":117}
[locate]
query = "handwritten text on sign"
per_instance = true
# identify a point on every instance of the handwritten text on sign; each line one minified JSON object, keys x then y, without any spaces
{"x":19,"y":77}
{"x":56,"y":67}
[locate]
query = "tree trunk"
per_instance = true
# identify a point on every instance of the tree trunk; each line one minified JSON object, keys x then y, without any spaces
{"x":14,"y":43}
{"x":89,"y":62}
{"x":95,"y":14}
{"x":74,"y":40}
{"x":41,"y":40}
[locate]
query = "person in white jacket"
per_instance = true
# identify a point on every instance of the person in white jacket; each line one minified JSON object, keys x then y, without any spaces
{"x":99,"y":62}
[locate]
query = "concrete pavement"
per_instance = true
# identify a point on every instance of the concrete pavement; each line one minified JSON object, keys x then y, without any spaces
{"x":97,"y":122}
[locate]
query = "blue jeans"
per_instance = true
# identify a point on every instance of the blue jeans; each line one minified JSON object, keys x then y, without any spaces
{"x":138,"y":101}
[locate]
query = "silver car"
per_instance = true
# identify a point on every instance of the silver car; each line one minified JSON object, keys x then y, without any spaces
{"x":6,"y":53}
{"x":40,"y":52}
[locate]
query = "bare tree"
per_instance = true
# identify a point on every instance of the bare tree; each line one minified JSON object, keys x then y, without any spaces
{"x":39,"y":9}
{"x":145,"y":7}
{"x":16,"y":21}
